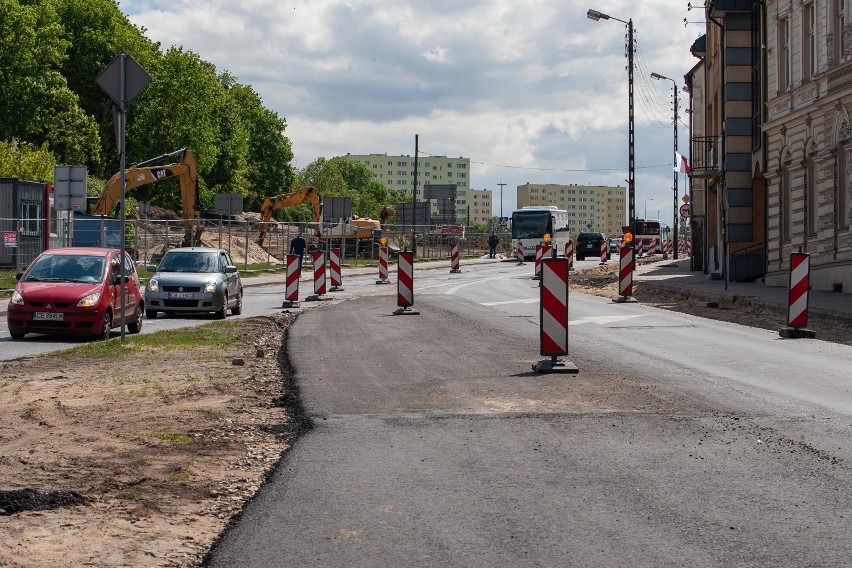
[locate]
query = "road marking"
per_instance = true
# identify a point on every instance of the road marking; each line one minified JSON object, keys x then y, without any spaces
{"x":603,"y":320}
{"x":507,"y":302}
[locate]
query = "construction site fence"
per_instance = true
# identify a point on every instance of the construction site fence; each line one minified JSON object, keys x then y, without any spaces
{"x":148,"y":239}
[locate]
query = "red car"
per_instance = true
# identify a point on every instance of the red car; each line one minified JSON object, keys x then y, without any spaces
{"x":76,"y":291}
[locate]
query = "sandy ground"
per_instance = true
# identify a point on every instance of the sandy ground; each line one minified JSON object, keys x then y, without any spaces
{"x":167,"y":446}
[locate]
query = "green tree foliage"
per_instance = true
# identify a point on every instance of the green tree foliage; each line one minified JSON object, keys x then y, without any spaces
{"x":341,"y":177}
{"x":269,"y":152}
{"x":37,"y":106}
{"x":25,"y":161}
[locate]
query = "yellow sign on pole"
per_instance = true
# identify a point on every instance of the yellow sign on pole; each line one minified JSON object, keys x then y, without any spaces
{"x":685,"y":199}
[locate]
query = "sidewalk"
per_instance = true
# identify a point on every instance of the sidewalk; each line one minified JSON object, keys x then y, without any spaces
{"x":675,"y":276}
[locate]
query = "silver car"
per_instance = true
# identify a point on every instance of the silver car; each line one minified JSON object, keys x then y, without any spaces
{"x":195,"y":280}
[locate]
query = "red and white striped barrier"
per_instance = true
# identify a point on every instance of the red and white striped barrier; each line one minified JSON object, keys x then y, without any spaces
{"x":604,"y":247}
{"x":405,"y":283}
{"x":652,"y":247}
{"x":291,"y":294}
{"x":319,"y":273}
{"x":667,"y":247}
{"x":334,"y":270}
{"x":569,"y":254}
{"x":625,"y":275}
{"x":541,"y":251}
{"x":383,"y":266}
{"x":640,"y":245}
{"x":454,"y":258}
{"x":797,"y":306}
{"x":553,"y":312}
{"x":520,"y":252}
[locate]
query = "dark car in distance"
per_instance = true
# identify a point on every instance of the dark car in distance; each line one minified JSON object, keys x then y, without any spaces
{"x":76,"y":291}
{"x":589,"y":244}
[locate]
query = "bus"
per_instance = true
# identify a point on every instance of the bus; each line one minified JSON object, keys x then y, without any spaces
{"x":531,"y":223}
{"x":647,"y":229}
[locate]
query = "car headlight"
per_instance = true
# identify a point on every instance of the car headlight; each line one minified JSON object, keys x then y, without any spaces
{"x":89,"y":301}
{"x":210,"y":287}
{"x":17,"y":299}
{"x":153,"y":285}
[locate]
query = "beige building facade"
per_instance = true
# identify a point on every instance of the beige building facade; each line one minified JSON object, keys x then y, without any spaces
{"x":808,"y":130}
{"x":479,"y":203}
{"x":590,"y":207}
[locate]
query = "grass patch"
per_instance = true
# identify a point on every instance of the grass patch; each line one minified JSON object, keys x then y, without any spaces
{"x":7,"y":282}
{"x":172,"y":437}
{"x":216,"y":334}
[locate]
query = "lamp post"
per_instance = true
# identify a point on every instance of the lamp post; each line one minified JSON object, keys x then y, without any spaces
{"x":646,"y":206}
{"x":501,"y":200}
{"x":631,"y":162}
{"x":674,"y":183}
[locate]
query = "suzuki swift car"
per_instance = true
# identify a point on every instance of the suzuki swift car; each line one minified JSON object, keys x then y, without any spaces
{"x":195,"y":280}
{"x":76,"y":291}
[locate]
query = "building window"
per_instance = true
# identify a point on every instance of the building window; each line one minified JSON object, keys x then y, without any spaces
{"x":785,"y":56}
{"x":843,"y":188}
{"x":812,"y":202}
{"x":809,"y":47}
{"x":786,"y":206}
{"x":837,"y":29}
{"x":30,"y":218}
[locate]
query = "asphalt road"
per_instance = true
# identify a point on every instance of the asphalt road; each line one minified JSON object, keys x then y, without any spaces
{"x":682,"y":441}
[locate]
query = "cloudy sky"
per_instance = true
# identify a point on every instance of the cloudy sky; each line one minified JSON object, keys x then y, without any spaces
{"x":529,"y":90}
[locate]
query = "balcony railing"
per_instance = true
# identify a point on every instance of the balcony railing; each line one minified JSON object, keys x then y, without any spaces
{"x":706,"y":155}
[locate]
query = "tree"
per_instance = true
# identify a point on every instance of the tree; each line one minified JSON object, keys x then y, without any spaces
{"x":26,"y":161}
{"x":37,"y":105}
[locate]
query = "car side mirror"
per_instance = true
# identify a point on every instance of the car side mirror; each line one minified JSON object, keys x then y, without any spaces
{"x":230,"y":269}
{"x":18,"y":275}
{"x":151,"y":267}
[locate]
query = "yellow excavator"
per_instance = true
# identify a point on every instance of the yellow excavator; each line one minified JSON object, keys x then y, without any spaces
{"x":270,"y":204}
{"x":180,"y":164}
{"x":386,"y":213}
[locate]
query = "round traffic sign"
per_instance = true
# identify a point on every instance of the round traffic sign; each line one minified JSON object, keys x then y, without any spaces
{"x":684,"y":210}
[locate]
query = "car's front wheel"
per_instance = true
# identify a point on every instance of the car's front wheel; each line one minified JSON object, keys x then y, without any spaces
{"x":135,"y":326}
{"x":151,"y":314}
{"x":223,"y":313}
{"x":16,"y":334}
{"x":106,"y":326}
{"x":238,"y":305}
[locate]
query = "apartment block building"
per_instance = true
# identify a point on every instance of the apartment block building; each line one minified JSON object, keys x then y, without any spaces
{"x":590,"y":207}
{"x":397,"y":172}
{"x":479,"y":203}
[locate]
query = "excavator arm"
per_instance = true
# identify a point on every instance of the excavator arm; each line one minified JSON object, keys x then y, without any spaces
{"x":270,"y":204}
{"x":386,"y":213}
{"x":144,"y":173}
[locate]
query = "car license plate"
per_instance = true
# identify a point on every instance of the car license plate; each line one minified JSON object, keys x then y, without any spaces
{"x":181,"y":295}
{"x":589,"y":245}
{"x":50,"y":316}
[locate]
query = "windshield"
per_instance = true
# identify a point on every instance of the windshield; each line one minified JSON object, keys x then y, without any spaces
{"x":647,"y":228}
{"x":204,"y":261}
{"x":530,"y":224}
{"x":66,"y":268}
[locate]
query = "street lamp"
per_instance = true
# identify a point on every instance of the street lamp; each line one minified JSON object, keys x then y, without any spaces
{"x":631,"y":162}
{"x":646,"y":206}
{"x":674,"y":186}
{"x":501,"y":200}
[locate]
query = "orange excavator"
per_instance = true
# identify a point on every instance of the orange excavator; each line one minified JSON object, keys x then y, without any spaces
{"x":270,"y":204}
{"x":154,"y":170}
{"x":386,"y":213}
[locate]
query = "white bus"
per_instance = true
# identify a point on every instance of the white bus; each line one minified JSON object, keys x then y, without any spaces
{"x":647,"y":229}
{"x":530,"y":224}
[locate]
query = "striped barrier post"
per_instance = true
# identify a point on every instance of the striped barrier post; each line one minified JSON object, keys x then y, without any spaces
{"x":291,"y":296}
{"x":625,"y":275}
{"x":520,"y":252}
{"x":797,"y":305}
{"x":652,"y":247}
{"x":334,"y":270}
{"x":383,"y":266}
{"x":604,"y":247}
{"x":454,"y":258}
{"x":537,"y":267}
{"x":689,"y":248}
{"x":569,"y":254}
{"x":553,"y":313}
{"x":640,"y":244}
{"x":405,"y":284}
{"x":319,"y":275}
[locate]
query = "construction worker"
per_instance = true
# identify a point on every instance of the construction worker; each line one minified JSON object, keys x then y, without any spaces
{"x":297,"y":246}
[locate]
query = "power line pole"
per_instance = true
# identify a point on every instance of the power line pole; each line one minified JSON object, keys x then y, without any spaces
{"x":501,"y":199}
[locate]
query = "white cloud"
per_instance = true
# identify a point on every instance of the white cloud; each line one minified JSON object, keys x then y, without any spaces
{"x":527,"y":89}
